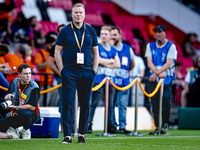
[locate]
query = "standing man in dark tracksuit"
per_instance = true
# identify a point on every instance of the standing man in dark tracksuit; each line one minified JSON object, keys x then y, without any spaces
{"x":78,"y":67}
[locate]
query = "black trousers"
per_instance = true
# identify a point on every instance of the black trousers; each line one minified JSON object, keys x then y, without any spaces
{"x":82,"y":81}
{"x":24,"y":118}
{"x":155,"y":100}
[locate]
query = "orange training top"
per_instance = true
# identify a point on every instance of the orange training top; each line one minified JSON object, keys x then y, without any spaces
{"x":14,"y":61}
{"x":38,"y":60}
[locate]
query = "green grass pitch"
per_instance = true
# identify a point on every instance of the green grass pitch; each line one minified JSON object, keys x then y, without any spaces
{"x":177,"y":140}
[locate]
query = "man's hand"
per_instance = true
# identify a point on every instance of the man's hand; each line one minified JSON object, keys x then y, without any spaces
{"x":153,"y":77}
{"x":8,"y":97}
{"x":11,"y":107}
{"x":112,"y":60}
{"x":162,"y":75}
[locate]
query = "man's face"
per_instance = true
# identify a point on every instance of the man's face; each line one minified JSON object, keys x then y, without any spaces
{"x":2,"y":53}
{"x":33,"y":22}
{"x":48,"y":46}
{"x":78,"y":14}
{"x":160,"y":35}
{"x":198,"y":61}
{"x":105,"y":35}
{"x":25,"y":75}
{"x":60,"y":29}
{"x":115,"y":36}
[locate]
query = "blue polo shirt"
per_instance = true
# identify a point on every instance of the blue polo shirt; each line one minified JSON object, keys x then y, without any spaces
{"x":67,"y":40}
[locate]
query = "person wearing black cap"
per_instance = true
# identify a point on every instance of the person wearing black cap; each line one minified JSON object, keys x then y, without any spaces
{"x":161,"y":56}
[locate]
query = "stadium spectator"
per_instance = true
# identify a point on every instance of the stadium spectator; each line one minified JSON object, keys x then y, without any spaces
{"x":188,"y":47}
{"x":139,"y":69}
{"x":126,"y":56}
{"x":38,"y":32}
{"x":178,"y":85}
{"x":28,"y":57}
{"x":20,"y":31}
{"x":151,"y":24}
{"x":7,"y":6}
{"x":4,"y":31}
{"x":12,"y":61}
{"x":191,"y":92}
{"x":24,"y":51}
{"x":161,"y":56}
{"x":53,"y":66}
{"x":80,"y":61}
{"x":108,"y":59}
{"x":41,"y":60}
{"x":24,"y":110}
{"x":4,"y":83}
{"x":147,"y":100}
{"x":5,"y":68}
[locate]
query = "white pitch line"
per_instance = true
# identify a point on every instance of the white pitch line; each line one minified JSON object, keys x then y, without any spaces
{"x":143,"y":137}
{"x":130,"y":137}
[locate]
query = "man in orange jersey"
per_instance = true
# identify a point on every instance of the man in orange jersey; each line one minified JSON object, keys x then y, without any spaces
{"x":4,"y":70}
{"x":12,"y":61}
{"x":41,"y":62}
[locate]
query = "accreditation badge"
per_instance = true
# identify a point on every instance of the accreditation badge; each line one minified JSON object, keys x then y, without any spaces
{"x":124,"y":61}
{"x":80,"y":58}
{"x":22,"y":99}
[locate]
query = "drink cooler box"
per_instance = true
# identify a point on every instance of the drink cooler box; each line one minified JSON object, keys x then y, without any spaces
{"x":47,"y":126}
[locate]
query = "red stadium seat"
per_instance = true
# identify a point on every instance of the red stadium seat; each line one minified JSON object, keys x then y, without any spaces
{"x":18,"y":3}
{"x":170,"y":37}
{"x":49,"y":26}
{"x":187,"y":62}
{"x":144,"y":35}
{"x":127,"y":34}
{"x":136,"y":45}
{"x":94,"y":19}
{"x":179,"y":50}
{"x":64,"y":4}
{"x":101,"y":7}
{"x":129,"y":21}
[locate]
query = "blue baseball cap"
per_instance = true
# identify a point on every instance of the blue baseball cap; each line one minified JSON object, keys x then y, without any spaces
{"x":160,"y":28}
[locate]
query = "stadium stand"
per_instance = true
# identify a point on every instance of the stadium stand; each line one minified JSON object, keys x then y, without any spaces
{"x":94,"y":19}
{"x":50,"y":13}
{"x":64,"y":4}
{"x":57,"y":15}
{"x":31,"y":11}
{"x":49,"y":26}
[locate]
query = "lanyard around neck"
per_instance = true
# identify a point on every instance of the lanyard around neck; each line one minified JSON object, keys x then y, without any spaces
{"x":20,"y":92}
{"x":77,"y":38}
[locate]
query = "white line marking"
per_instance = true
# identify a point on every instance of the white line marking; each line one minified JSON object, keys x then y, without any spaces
{"x":121,"y":138}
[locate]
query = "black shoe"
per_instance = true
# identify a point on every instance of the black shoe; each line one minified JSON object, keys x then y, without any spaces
{"x":67,"y":140}
{"x":165,"y":128}
{"x":124,"y":131}
{"x":89,"y":129}
{"x":81,"y":139}
{"x":112,"y":129}
{"x":156,"y":132}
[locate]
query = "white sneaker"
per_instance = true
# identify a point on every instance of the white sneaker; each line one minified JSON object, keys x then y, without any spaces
{"x":11,"y":131}
{"x":25,"y":134}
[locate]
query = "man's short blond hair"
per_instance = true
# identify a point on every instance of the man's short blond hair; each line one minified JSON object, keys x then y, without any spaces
{"x":106,"y":28}
{"x":78,"y":5}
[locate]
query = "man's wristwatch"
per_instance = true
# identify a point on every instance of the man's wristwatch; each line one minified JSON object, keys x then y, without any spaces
{"x":17,"y":108}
